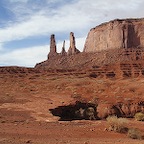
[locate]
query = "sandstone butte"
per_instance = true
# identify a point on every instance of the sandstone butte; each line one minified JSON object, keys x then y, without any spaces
{"x":112,"y":49}
{"x":116,"y":34}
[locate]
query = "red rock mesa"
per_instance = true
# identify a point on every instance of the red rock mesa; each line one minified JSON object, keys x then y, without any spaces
{"x":128,"y":33}
{"x":112,"y":49}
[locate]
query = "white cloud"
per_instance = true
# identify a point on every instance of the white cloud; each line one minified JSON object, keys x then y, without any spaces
{"x":32,"y":55}
{"x":40,"y":25}
{"x":1,"y":47}
{"x":78,"y":17}
{"x":25,"y":57}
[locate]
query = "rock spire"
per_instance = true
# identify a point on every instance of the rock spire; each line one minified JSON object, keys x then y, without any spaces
{"x":53,"y":51}
{"x":72,"y":49}
{"x":63,"y":52}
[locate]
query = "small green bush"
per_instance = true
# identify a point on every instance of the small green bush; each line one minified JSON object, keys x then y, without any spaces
{"x":139,"y":116}
{"x":117,"y":124}
{"x":135,"y":133}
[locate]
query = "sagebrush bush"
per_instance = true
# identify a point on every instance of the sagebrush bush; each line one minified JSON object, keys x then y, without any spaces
{"x":135,"y":133}
{"x":139,"y":116}
{"x":117,"y":124}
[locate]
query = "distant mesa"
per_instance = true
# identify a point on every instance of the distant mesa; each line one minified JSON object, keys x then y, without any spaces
{"x":110,"y":48}
{"x":116,"y":34}
{"x":127,"y":33}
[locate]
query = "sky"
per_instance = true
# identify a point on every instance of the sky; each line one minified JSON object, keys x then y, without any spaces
{"x":26,"y":25}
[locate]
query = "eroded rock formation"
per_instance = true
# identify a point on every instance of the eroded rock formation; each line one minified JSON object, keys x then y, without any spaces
{"x":90,"y":111}
{"x":53,"y":51}
{"x":128,"y":33}
{"x":114,"y":49}
{"x":119,"y":109}
{"x":63,"y":52}
{"x":72,"y":48}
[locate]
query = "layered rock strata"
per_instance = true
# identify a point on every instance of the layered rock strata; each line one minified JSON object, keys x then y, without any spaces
{"x":114,"y":49}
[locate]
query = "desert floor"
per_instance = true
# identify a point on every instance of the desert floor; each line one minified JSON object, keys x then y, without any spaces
{"x":25,"y":100}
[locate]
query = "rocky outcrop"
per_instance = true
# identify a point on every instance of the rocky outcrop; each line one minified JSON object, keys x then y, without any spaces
{"x":112,"y":50}
{"x":72,"y":49}
{"x":77,"y":111}
{"x":53,"y":51}
{"x":114,"y":63}
{"x":128,"y":33}
{"x":90,"y":111}
{"x":128,"y":109}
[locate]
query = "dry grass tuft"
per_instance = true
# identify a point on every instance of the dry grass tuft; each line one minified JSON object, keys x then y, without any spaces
{"x":135,"y":134}
{"x":139,"y":116}
{"x":117,"y":124}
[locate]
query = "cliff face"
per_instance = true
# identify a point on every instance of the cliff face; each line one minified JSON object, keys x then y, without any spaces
{"x":116,"y":34}
{"x":113,"y":49}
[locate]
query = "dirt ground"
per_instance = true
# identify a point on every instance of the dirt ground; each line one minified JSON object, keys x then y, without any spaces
{"x":25,"y":100}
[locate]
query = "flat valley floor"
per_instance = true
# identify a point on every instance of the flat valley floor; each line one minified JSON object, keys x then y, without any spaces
{"x":25,"y":100}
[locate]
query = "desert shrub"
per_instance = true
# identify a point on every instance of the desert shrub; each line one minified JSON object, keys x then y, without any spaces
{"x":90,"y":113}
{"x":135,"y":133}
{"x":117,"y":124}
{"x":139,"y":116}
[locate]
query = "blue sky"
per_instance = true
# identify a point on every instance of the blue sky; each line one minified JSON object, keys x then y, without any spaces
{"x":26,"y":25}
